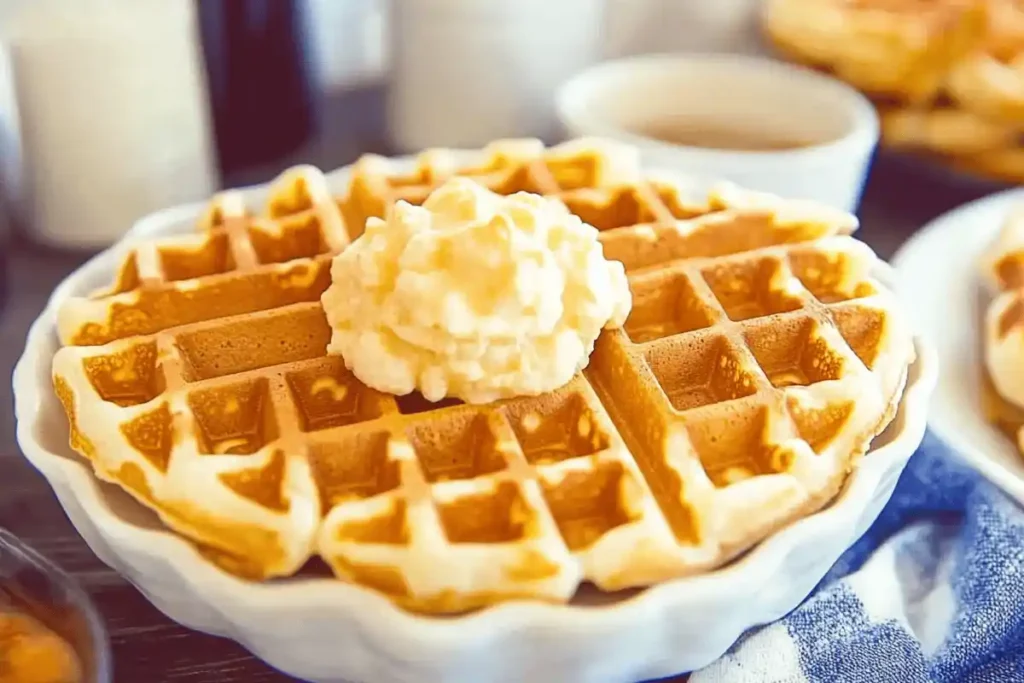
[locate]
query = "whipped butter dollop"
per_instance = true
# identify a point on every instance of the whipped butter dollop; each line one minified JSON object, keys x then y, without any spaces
{"x":473,"y":295}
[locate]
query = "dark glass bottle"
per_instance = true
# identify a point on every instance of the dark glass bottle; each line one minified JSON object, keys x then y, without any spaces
{"x":259,"y":84}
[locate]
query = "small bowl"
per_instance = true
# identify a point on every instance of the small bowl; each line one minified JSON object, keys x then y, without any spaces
{"x":41,"y":590}
{"x":786,"y":129}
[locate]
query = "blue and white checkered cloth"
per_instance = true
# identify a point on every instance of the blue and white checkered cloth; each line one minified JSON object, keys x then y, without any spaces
{"x":933,"y":593}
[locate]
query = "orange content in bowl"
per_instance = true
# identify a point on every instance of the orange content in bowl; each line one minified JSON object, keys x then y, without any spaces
{"x":32,"y":653}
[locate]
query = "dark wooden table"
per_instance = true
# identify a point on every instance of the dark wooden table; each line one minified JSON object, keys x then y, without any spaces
{"x":146,"y":645}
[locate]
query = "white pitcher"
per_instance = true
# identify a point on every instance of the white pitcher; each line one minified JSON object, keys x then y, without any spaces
{"x":113,"y":114}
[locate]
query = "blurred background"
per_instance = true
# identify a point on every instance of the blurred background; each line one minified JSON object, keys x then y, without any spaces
{"x":112,"y":109}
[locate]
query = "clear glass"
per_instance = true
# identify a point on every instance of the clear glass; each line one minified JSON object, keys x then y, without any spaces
{"x":38,"y":588}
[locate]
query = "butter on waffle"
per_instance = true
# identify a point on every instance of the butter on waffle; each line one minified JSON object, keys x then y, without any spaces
{"x":947,"y":130}
{"x":1003,"y":272}
{"x":946,"y":75}
{"x":760,"y":359}
{"x":990,"y":86}
{"x":1005,"y":36}
{"x":900,"y":49}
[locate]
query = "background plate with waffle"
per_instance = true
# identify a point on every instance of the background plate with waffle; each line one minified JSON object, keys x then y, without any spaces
{"x":942,"y":274}
{"x":758,"y":327}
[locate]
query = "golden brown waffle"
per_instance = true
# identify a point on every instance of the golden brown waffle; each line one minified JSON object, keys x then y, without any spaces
{"x":601,"y":183}
{"x":959,"y":139}
{"x":896,"y":49}
{"x":1003,"y":334}
{"x":948,"y":75}
{"x":977,"y":122}
{"x":232,"y":262}
{"x":760,"y":359}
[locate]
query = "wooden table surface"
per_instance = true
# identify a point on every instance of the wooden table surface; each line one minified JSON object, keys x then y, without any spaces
{"x":146,"y":645}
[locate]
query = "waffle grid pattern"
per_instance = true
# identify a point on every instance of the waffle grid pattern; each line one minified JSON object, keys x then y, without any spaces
{"x":769,"y":351}
{"x":765,"y":362}
{"x":947,"y":76}
{"x":240,"y":263}
{"x":1002,"y":269}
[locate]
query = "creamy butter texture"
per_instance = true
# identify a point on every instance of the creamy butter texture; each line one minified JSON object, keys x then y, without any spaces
{"x":473,"y":295}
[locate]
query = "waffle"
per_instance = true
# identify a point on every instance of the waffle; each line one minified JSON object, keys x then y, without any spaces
{"x":1005,"y":36}
{"x":947,"y":130}
{"x":1003,"y":270}
{"x":989,"y":81}
{"x":895,"y":49}
{"x":947,"y":76}
{"x":760,"y":359}
{"x":233,"y":263}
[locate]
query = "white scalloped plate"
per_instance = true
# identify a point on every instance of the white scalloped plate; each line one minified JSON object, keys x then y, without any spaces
{"x":323,"y":630}
{"x":937,"y":276}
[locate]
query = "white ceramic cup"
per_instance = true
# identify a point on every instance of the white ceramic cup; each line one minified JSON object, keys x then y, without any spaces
{"x":837,"y":127}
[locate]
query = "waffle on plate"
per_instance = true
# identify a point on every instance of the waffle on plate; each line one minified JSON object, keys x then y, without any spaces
{"x":760,"y":359}
{"x":1003,"y":271}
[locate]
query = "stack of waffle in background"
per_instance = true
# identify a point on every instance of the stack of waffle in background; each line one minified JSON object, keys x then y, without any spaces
{"x":947,"y":75}
{"x":1003,"y":331}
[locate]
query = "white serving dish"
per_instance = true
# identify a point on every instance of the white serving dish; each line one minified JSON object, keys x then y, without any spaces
{"x":937,"y":274}
{"x":623,"y":98}
{"x":323,"y":630}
